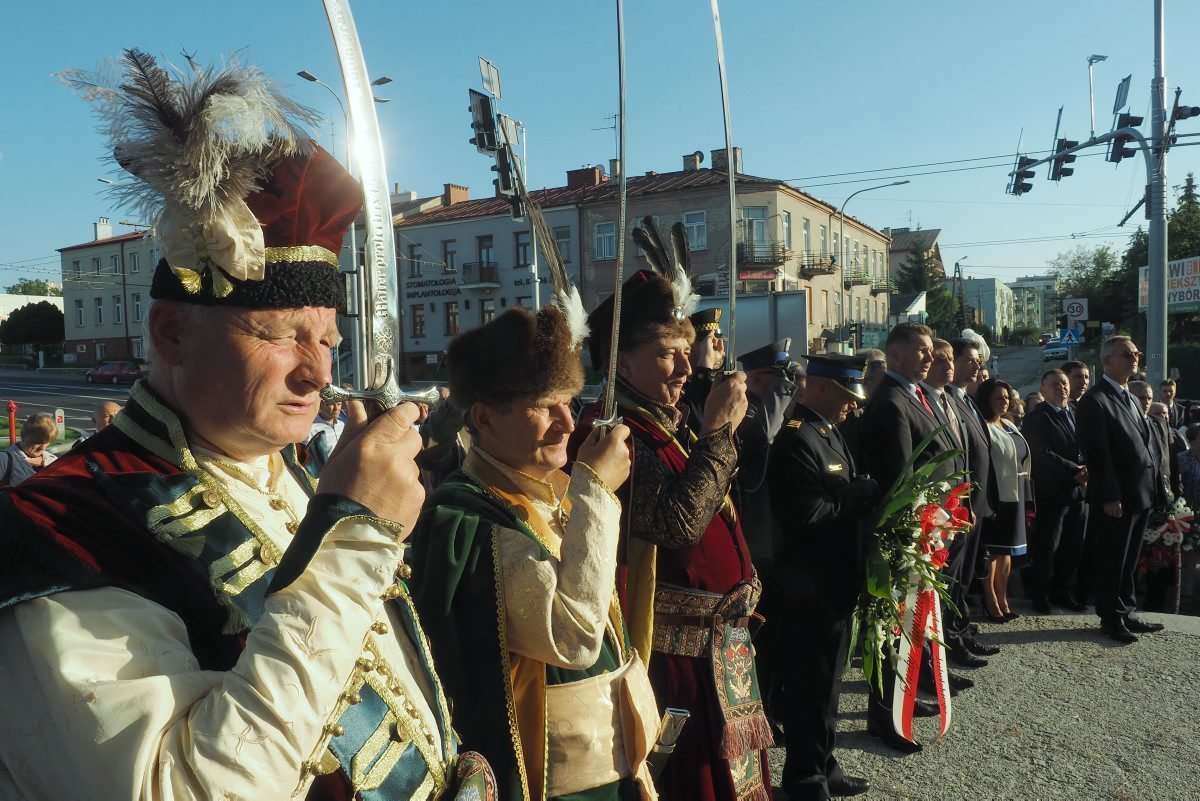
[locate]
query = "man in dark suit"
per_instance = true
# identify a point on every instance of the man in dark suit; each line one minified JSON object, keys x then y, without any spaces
{"x":964,"y":551}
{"x":1160,"y":441}
{"x":1166,"y":394}
{"x":1079,"y":378}
{"x":897,"y":418}
{"x":1059,"y":478}
{"x":1122,"y":487}
{"x":824,"y":508}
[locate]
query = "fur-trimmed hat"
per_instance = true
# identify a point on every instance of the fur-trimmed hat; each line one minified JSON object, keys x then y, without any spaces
{"x":647,"y":302}
{"x":248,"y":210}
{"x":517,"y":355}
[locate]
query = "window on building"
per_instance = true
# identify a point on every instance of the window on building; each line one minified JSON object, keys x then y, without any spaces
{"x":857,"y":264}
{"x":78,"y":312}
{"x":696,"y":224}
{"x":806,"y":232}
{"x":139,"y":347}
{"x":118,"y":310}
{"x":449,"y":255}
{"x":153,"y":258}
{"x":75,"y":270}
{"x":451,"y":318}
{"x":824,"y":233}
{"x":562,"y":239}
{"x":857,"y":308}
{"x":486,"y":249}
{"x":101,"y":351}
{"x":825,"y":306}
{"x":99,"y":311}
{"x":96,"y":265}
{"x":487,"y":311}
{"x":414,"y":261}
{"x":754,"y":222}
{"x":115,"y":264}
{"x":604,"y":241}
{"x":786,"y":218}
{"x":837,"y":249}
{"x":522,"y":257}
{"x":137,"y":307}
{"x":131,"y":261}
{"x":525,"y":301}
{"x":418,"y":320}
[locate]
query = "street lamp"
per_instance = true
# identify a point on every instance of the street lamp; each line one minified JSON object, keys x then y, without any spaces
{"x":380,"y":81}
{"x":841,"y":256}
{"x":1092,"y":61}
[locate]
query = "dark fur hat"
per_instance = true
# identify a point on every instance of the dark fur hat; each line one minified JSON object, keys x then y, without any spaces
{"x":647,"y":306}
{"x":517,"y":355}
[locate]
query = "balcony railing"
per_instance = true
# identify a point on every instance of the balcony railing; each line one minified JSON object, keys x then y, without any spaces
{"x":813,"y":264}
{"x":883,"y":285}
{"x":771,"y":254}
{"x":479,"y":275}
{"x":856,"y":278}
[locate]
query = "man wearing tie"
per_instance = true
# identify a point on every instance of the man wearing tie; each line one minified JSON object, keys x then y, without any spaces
{"x":897,"y":418}
{"x":1121,"y":491}
{"x":1166,"y":394}
{"x":1059,"y":479}
{"x":965,"y":550}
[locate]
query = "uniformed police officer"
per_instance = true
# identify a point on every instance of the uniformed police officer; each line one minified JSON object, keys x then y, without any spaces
{"x":823,"y":508}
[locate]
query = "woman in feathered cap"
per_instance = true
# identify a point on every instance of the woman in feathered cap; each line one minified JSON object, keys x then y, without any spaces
{"x":687,"y":584}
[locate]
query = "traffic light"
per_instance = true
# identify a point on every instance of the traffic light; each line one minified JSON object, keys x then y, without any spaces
{"x":1120,"y":143}
{"x":855,"y":334}
{"x":504,"y":172}
{"x":1058,"y":169}
{"x":1185,"y":112}
{"x":1023,"y":175}
{"x":483,"y":123}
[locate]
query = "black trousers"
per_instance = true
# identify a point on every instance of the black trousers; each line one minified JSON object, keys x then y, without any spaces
{"x":1058,"y":542}
{"x":960,"y":570}
{"x":1116,"y":547}
{"x":811,"y":657}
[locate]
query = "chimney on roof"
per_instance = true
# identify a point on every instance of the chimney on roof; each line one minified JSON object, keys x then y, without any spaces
{"x":692,"y":161}
{"x":719,"y":162}
{"x":454,"y":193}
{"x":614,"y":168}
{"x":101,"y":229}
{"x":585,"y":177}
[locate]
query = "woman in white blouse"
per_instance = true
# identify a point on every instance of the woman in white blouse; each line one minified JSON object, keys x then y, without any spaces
{"x":1004,"y":533}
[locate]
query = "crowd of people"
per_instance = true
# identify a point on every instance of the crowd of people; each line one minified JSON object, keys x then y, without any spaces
{"x":236,"y":591}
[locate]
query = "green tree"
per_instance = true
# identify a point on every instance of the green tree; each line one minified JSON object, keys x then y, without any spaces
{"x":38,"y":323}
{"x":31,"y":286}
{"x":916,"y":275}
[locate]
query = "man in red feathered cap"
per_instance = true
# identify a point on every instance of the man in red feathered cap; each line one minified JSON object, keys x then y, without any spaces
{"x":686,"y":580}
{"x":183,"y":613}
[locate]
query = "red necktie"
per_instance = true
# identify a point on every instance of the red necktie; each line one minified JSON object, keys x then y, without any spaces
{"x":925,"y":403}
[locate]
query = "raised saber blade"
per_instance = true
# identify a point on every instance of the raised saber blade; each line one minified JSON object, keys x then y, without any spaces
{"x":730,"y":349}
{"x":609,"y":415}
{"x":379,"y":319}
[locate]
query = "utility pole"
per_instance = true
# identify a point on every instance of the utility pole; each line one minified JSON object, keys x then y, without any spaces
{"x":1156,"y":311}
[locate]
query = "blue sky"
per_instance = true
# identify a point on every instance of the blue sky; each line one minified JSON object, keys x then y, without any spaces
{"x":816,"y":88}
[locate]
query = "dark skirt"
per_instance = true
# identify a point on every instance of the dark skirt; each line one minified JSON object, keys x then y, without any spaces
{"x":1004,"y":534}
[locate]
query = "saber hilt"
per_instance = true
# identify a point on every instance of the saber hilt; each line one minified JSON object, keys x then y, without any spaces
{"x":669,"y":729}
{"x":387,"y":395}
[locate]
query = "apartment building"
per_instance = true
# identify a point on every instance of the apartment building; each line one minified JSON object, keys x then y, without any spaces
{"x":995,"y":303}
{"x":106,"y":290}
{"x":1037,"y":301}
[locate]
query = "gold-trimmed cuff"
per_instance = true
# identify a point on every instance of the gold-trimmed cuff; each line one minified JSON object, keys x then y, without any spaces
{"x":301,"y":253}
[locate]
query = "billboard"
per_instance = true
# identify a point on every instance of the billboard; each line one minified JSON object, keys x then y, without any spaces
{"x":1183,"y":286}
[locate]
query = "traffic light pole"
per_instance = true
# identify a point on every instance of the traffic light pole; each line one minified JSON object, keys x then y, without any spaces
{"x":1156,"y":309}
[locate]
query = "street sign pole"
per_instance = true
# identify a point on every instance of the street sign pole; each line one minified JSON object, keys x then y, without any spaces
{"x":1156,"y":311}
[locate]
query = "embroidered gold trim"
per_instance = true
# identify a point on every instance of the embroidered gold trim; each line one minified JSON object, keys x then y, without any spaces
{"x":300,"y":253}
{"x":509,"y":703}
{"x":189,"y":278}
{"x":427,"y":656}
{"x":141,"y":436}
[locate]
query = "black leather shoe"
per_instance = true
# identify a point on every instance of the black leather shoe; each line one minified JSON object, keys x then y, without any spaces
{"x":924,"y":709}
{"x":1139,"y":626}
{"x":977,"y":648}
{"x":1069,"y":603}
{"x":961,"y":657}
{"x":887,"y":734}
{"x":959,"y":683}
{"x":844,"y":786}
{"x":1119,"y":632}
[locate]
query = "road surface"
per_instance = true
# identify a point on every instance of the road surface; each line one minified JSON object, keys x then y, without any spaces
{"x":41,"y":392}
